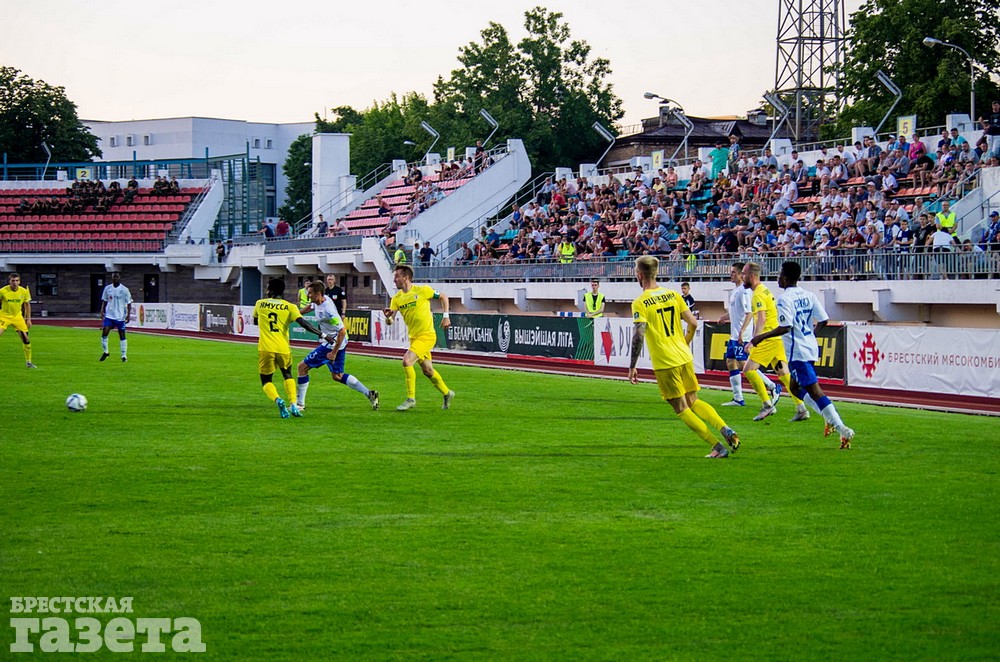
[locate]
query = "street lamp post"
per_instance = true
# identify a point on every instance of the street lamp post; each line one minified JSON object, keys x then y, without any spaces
{"x":678,"y":113}
{"x":931,"y":42}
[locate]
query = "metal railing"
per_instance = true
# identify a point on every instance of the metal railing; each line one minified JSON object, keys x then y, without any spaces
{"x":856,"y":265}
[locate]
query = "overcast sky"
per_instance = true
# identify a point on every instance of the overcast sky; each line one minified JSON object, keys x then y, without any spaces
{"x":283,"y":61}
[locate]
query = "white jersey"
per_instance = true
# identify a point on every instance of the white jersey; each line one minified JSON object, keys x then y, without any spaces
{"x":117,"y":300}
{"x":739,"y":306}
{"x":329,"y":320}
{"x":799,"y":310}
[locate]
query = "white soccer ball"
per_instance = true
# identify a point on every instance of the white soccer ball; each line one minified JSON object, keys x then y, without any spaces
{"x":76,"y":402}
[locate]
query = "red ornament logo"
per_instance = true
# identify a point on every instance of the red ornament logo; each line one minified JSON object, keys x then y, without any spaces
{"x":869,"y":356}
{"x":607,"y":342}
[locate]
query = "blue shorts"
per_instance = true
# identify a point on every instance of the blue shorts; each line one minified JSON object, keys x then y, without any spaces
{"x":735,"y":350}
{"x":118,"y":324}
{"x":803,"y":372}
{"x":321,"y":356}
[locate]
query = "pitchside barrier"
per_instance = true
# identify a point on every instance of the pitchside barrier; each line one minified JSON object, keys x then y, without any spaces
{"x":929,"y":360}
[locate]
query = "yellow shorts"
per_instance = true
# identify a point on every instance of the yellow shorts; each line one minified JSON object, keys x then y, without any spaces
{"x":17,"y":322}
{"x":769,"y":352}
{"x":677,"y":381}
{"x":269,"y":362}
{"x":422,"y":346}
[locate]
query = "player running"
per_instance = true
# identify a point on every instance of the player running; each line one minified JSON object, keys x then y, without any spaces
{"x":116,"y":310}
{"x":769,"y":353}
{"x":414,"y":303}
{"x":273,"y":315}
{"x":15,"y":311}
{"x":657,"y":314}
{"x":798,"y":311}
{"x":332,"y":354}
{"x":740,"y":331}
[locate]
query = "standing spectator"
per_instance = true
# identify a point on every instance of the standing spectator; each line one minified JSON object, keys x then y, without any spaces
{"x":282,"y":230}
{"x":220,"y":251}
{"x":991,"y":125}
{"x":304,"y":292}
{"x":720,"y":158}
{"x":946,"y":219}
{"x":427,"y":254}
{"x":594,"y":300}
{"x":322,"y":227}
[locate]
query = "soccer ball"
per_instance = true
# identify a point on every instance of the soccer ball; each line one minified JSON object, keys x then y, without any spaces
{"x":76,"y":402}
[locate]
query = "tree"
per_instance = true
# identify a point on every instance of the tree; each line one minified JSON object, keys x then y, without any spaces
{"x":32,"y":112}
{"x":547,"y":90}
{"x":888,"y":35}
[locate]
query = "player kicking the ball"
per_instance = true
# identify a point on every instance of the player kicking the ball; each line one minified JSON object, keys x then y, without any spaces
{"x":329,"y":354}
{"x":798,"y":310}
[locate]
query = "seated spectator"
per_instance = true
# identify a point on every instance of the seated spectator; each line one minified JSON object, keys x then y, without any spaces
{"x":175,"y":186}
{"x":340,"y":228}
{"x":133,"y":183}
{"x":466,"y":255}
{"x":267,"y":230}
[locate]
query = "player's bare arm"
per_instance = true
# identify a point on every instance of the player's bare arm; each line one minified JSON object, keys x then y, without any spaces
{"x":26,"y":313}
{"x":390,"y":315}
{"x":308,"y":326}
{"x":773,"y":333}
{"x":445,"y":319}
{"x":638,"y":335}
{"x":692,"y":326}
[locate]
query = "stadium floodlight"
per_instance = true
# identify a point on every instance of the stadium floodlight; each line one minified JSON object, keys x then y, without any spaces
{"x":931,"y":42}
{"x":779,"y":107}
{"x":491,"y":121}
{"x":894,"y":89}
{"x":663,"y":100}
{"x":607,"y":135}
{"x":409,"y":143}
{"x":48,"y":153}
{"x":429,"y":129}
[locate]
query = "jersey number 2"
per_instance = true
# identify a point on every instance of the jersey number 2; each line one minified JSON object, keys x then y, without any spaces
{"x":273,"y":322}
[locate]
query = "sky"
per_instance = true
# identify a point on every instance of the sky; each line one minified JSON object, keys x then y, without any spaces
{"x":283,"y":61}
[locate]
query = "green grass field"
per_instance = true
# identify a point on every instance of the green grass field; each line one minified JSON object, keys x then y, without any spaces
{"x":542,"y":517}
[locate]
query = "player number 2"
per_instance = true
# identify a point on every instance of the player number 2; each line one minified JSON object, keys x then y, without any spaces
{"x":273,"y":322}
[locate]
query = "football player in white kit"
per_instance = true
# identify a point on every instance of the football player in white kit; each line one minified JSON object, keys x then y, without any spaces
{"x":740,"y":331}
{"x":332,"y":356}
{"x":798,"y":311}
{"x":116,"y":308}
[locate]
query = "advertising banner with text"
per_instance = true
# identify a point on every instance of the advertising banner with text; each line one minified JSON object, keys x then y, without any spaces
{"x":150,"y":316}
{"x":549,"y":337}
{"x":831,"y":341}
{"x":930,"y":360}
{"x":185,"y":316}
{"x":216,"y":318}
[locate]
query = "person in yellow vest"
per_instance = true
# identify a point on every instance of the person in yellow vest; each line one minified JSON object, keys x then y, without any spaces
{"x":566,"y":250}
{"x":304,"y":292}
{"x":946,"y":219}
{"x":399,"y":257}
{"x":594,"y":300}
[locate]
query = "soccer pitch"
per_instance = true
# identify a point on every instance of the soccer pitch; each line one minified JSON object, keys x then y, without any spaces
{"x":541,"y":517}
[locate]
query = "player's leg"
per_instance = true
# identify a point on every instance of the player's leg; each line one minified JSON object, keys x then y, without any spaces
{"x":25,"y":343}
{"x":105,"y":330}
{"x":284,"y":363}
{"x":735,"y":368}
{"x":750,"y":369}
{"x":315,"y":359}
{"x":122,"y":341}
{"x":671,"y":384}
{"x":823,"y":405}
{"x":410,"y":380}
{"x":350,"y":381}
{"x":266,"y":366}
{"x":781,"y":369}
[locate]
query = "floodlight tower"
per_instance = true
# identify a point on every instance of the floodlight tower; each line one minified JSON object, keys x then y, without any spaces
{"x":811,"y":44}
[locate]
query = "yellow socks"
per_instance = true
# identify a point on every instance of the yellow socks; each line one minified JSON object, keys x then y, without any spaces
{"x":758,"y":385}
{"x":698,"y":426}
{"x":786,"y":380}
{"x":290,"y":390}
{"x":410,"y":377}
{"x":707,"y":413}
{"x":439,"y":383}
{"x":27,"y":352}
{"x":270,"y":391}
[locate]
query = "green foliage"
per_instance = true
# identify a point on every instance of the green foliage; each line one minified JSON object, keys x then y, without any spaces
{"x":888,"y":35}
{"x":32,"y":112}
{"x":541,"y":517}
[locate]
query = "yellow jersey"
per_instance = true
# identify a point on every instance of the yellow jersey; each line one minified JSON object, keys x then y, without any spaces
{"x":11,"y":301}
{"x":274,"y":316}
{"x":415,"y":307}
{"x":661,"y":310}
{"x":763,"y":299}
